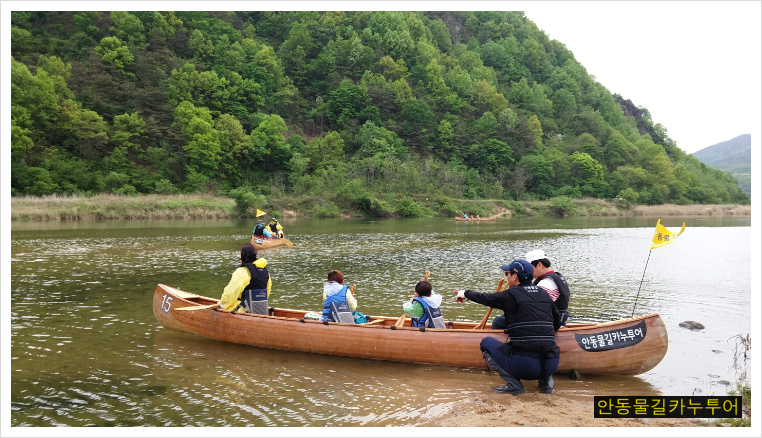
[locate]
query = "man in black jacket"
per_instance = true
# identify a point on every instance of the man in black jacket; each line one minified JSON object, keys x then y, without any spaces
{"x":532,"y":319}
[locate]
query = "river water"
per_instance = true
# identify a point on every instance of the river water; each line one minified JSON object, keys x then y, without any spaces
{"x":86,"y":349}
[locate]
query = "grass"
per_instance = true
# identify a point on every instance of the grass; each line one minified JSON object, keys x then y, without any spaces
{"x":206,"y":206}
{"x":110,"y":207}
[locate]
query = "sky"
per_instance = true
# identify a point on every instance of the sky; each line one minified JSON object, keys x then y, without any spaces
{"x":694,"y":65}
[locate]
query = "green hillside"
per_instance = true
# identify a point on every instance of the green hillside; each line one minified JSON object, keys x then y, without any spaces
{"x":370,"y":110}
{"x":732,"y":156}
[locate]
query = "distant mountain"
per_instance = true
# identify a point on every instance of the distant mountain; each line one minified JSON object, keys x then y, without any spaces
{"x":732,"y":156}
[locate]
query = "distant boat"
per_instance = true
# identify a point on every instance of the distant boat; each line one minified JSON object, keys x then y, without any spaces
{"x":625,"y":347}
{"x":475,"y":219}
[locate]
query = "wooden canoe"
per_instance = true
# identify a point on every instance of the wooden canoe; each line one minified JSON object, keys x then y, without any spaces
{"x":267,"y":243}
{"x":480,"y":219}
{"x":625,"y":347}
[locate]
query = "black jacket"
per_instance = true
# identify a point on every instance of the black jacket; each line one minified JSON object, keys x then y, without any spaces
{"x":531,"y":316}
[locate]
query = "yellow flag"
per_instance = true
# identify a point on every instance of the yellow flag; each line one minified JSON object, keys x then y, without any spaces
{"x":260,"y":213}
{"x":663,"y":236}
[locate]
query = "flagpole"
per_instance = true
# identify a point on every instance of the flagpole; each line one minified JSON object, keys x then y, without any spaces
{"x":641,"y":283}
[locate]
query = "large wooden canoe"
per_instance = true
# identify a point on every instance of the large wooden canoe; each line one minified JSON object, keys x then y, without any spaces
{"x":268,"y":243}
{"x":476,"y":219}
{"x":626,"y":347}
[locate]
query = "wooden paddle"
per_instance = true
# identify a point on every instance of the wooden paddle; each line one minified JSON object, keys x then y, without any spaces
{"x":484,"y":320}
{"x":401,"y":319}
{"x":209,"y":306}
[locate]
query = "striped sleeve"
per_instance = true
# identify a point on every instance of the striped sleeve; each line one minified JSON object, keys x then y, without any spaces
{"x":548,"y":285}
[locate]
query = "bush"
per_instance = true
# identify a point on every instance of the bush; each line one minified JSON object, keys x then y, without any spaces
{"x":446,"y":206}
{"x":329,"y":210}
{"x":116,"y":180}
{"x":127,"y":190}
{"x":373,"y":206}
{"x":516,"y":207}
{"x":247,"y":202}
{"x":407,"y":207}
{"x":164,"y":187}
{"x":561,"y":206}
{"x":195,"y":182}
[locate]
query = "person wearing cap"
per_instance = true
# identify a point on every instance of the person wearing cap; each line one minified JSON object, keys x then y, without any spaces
{"x":261,"y":231}
{"x":249,"y":286}
{"x":532,"y":320}
{"x":550,"y":281}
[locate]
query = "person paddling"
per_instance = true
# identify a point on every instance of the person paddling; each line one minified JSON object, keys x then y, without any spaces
{"x":424,"y":307}
{"x":532,"y":320}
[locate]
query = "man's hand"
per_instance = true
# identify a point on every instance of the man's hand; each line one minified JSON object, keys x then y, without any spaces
{"x":461,"y":295}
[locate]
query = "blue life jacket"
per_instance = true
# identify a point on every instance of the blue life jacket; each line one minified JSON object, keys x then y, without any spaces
{"x":254,"y":295}
{"x":431,"y":318}
{"x":336,"y":307}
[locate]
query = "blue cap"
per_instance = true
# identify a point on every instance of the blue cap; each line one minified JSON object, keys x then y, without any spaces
{"x":521,"y":267}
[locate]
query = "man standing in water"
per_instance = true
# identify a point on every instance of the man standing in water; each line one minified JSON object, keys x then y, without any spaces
{"x":532,"y":321}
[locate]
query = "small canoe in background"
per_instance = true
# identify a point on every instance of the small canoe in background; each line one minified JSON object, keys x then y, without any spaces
{"x":626,"y":347}
{"x":270,"y":243}
{"x":480,"y":219}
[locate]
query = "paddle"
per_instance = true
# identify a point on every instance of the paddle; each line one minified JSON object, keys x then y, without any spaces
{"x":401,"y":319}
{"x":484,"y":320}
{"x":209,"y":306}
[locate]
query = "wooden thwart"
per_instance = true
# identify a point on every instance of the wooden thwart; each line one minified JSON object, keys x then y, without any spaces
{"x":208,"y":306}
{"x":377,"y":321}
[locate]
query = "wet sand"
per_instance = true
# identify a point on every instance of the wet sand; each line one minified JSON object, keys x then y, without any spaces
{"x":534,"y":409}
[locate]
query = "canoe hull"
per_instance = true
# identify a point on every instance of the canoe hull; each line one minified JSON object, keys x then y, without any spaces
{"x":266,"y":243}
{"x":458,"y":347}
{"x":481,"y":219}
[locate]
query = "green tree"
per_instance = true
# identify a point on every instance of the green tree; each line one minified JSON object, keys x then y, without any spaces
{"x":346,"y":102}
{"x":587,"y":173}
{"x":326,"y":151}
{"x":202,"y":143}
{"x":535,"y":128}
{"x":270,"y":144}
{"x":115,"y":52}
{"x":128,"y":27}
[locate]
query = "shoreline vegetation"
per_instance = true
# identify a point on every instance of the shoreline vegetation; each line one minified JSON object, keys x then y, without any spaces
{"x":204,"y":206}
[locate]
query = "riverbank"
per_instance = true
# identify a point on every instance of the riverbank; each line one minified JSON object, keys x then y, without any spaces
{"x":533,"y":409}
{"x":198,"y":206}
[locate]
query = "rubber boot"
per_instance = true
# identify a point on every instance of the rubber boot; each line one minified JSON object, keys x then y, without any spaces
{"x":512,"y":386}
{"x":547,"y":385}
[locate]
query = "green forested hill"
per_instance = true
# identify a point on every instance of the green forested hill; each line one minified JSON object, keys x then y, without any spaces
{"x":732,"y":156}
{"x":367,"y":109}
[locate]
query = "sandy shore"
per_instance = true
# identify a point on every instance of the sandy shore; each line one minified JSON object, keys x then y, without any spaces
{"x":534,"y":409}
